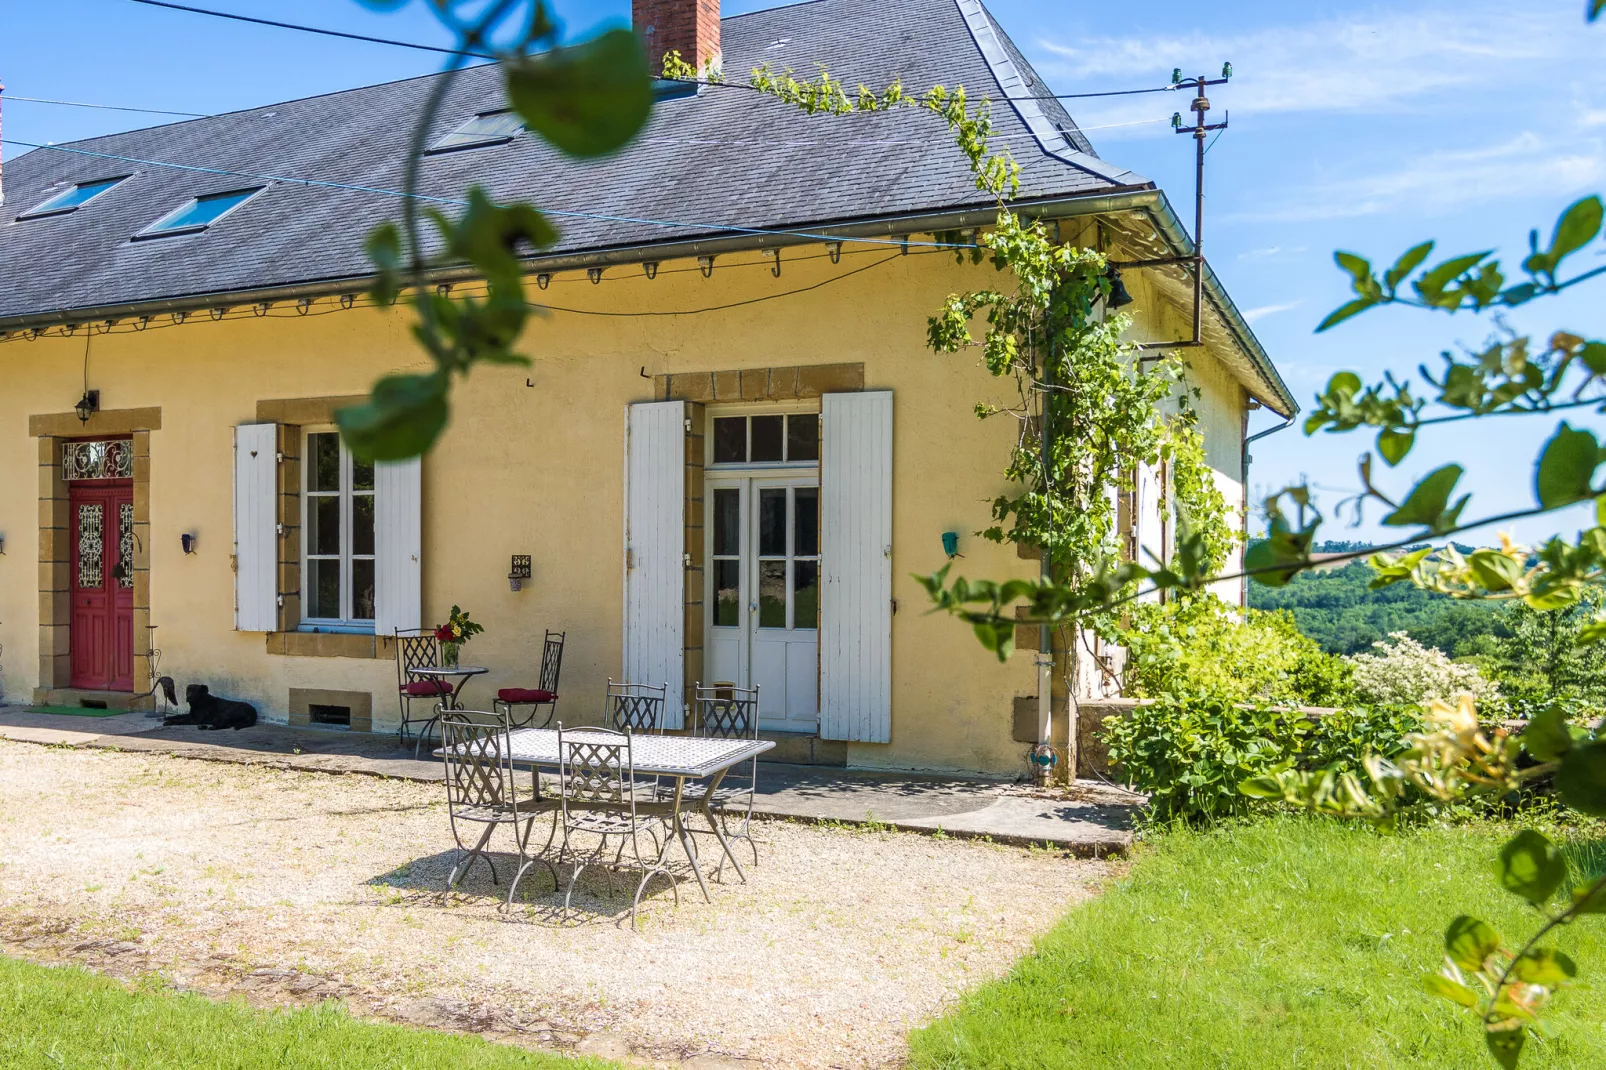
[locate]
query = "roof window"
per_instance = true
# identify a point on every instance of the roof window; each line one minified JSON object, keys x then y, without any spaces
{"x":486,"y":128}
{"x":72,"y":198}
{"x":201,"y":212}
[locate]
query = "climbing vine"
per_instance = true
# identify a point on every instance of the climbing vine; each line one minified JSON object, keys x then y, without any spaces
{"x":1050,"y":331}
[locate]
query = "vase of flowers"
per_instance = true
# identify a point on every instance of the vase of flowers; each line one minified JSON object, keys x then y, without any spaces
{"x":457,"y":630}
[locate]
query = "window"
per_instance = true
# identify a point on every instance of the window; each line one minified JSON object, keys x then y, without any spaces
{"x":200,"y":213}
{"x":72,"y":198}
{"x":337,"y":534}
{"x":486,"y":128}
{"x":790,"y":439}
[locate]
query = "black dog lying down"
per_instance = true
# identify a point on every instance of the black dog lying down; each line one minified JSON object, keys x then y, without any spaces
{"x":209,"y":711}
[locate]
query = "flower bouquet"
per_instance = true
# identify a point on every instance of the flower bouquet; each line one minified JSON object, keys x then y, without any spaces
{"x":457,"y":630}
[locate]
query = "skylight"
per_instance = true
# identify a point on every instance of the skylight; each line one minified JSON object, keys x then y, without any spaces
{"x":486,"y":128}
{"x":200,"y":213}
{"x":72,"y":198}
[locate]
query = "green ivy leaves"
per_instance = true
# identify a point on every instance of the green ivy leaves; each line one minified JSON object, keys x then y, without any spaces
{"x":1566,"y":468}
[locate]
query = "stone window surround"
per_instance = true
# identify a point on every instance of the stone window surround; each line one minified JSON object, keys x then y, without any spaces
{"x":699,"y":389}
{"x":302,"y":699}
{"x":292,"y":415}
{"x":55,"y":590}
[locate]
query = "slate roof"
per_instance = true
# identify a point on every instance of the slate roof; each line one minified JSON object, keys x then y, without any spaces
{"x":723,"y":158}
{"x":690,"y":165}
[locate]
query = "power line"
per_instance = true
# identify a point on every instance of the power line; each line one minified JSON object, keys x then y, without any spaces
{"x":313,"y":29}
{"x":458,"y":202}
{"x":653,"y":139}
{"x":483,"y":55}
{"x":9,"y":97}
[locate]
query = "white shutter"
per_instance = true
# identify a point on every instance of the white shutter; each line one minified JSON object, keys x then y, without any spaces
{"x":398,"y":546}
{"x":256,"y":527}
{"x":655,"y":536}
{"x":856,"y":567}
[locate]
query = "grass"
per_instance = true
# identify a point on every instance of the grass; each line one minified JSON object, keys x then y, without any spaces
{"x":68,"y":1017}
{"x":1287,"y":943}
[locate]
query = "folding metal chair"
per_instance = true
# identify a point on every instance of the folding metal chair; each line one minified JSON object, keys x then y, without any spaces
{"x":724,"y":711}
{"x":481,"y":789}
{"x":546,"y":691}
{"x":417,"y":648}
{"x":597,"y":786}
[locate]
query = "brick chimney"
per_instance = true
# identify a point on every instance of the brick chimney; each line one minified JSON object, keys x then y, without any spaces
{"x":690,"y":27}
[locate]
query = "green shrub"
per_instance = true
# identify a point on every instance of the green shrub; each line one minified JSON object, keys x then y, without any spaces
{"x":1190,"y":755}
{"x":1200,"y":647}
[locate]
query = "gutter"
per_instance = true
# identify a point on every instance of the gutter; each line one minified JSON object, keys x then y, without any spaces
{"x":1148,"y":201}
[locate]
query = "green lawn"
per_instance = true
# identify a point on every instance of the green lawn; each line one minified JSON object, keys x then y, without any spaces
{"x":1288,"y":943}
{"x":61,"y":1017}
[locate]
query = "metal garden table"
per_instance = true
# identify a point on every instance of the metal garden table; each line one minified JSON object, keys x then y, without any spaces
{"x":677,"y":758}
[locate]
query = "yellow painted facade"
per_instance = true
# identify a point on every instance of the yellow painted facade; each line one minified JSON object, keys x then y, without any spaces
{"x":537,"y":469}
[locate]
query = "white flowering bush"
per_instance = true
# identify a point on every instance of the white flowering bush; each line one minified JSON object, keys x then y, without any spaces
{"x":1404,"y":671}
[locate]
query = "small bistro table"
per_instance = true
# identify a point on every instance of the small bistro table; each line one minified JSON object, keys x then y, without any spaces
{"x":445,"y":673}
{"x":677,"y":758}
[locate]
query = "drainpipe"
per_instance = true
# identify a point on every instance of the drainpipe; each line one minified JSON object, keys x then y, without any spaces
{"x":1043,"y":757}
{"x":1243,"y":584}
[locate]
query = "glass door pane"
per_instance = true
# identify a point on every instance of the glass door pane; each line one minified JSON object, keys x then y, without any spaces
{"x":772,"y":557}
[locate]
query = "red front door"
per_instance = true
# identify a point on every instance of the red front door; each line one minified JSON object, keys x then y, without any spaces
{"x":102,"y":577}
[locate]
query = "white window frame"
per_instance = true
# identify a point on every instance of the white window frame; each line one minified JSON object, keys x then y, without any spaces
{"x":719,"y":411}
{"x":347,"y":494}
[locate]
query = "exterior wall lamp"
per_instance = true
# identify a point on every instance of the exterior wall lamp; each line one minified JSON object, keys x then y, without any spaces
{"x":187,"y":541}
{"x":950,"y":543}
{"x":519,"y":572}
{"x":88,"y":405}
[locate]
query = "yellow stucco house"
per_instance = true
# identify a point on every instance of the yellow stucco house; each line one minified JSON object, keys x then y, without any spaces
{"x":732,"y":451}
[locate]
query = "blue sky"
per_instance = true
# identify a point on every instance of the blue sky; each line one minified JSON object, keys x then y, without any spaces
{"x":1357,"y":126}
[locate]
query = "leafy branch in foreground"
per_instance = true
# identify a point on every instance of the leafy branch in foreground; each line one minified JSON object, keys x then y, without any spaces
{"x":588,"y":100}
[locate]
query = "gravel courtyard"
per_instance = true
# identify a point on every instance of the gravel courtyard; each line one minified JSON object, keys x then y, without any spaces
{"x":293,"y":887}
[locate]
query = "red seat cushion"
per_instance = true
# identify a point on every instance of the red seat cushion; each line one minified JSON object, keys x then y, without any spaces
{"x":518,"y":695}
{"x":426,"y":688}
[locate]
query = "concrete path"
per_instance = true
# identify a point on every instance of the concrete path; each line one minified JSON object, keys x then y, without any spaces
{"x":1088,"y":818}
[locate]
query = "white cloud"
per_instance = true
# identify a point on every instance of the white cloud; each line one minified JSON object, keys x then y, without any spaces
{"x":1527,"y":165}
{"x":1271,"y":252}
{"x":1255,"y":314}
{"x":1375,"y":62}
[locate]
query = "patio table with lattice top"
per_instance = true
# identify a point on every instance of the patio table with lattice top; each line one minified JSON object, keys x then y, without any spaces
{"x":672,"y":758}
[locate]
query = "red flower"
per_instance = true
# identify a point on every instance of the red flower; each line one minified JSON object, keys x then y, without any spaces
{"x":443,"y":633}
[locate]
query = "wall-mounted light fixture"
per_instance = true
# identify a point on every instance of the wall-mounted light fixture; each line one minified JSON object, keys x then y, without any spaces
{"x":88,"y":405}
{"x":188,"y":541}
{"x":2,"y":546}
{"x":519,"y":572}
{"x":1119,"y":298}
{"x":950,"y":543}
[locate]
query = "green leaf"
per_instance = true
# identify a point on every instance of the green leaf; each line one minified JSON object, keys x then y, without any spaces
{"x":1575,"y":229}
{"x":1546,"y":736}
{"x":1407,"y":263}
{"x":1427,"y":502}
{"x":1431,"y":286}
{"x":1261,"y":787}
{"x":1495,"y":570}
{"x":587,"y":99}
{"x":1589,"y":899}
{"x":1530,"y":866}
{"x":402,"y":418}
{"x":1566,"y":468}
{"x":1359,"y":267}
{"x":1544,"y":966}
{"x":1469,"y":942}
{"x":1581,"y":780}
{"x":1394,"y":445}
{"x":1440,"y":985}
{"x":1344,"y":312}
{"x":1595,"y":8}
{"x":1506,"y":1045}
{"x":1593,"y":354}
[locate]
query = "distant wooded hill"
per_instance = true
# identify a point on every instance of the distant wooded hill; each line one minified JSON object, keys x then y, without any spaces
{"x":1335,"y":607}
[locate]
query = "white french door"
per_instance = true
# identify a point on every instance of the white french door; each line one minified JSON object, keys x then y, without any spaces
{"x":763,"y":597}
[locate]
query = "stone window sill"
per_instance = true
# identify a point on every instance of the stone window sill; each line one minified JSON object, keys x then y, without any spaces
{"x":328,"y":645}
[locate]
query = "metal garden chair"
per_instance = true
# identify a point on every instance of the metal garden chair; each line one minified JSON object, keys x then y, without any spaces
{"x":545,"y":693}
{"x":636,"y":707}
{"x":597,"y":786}
{"x":417,"y":648}
{"x":724,"y":711}
{"x":481,"y":790}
